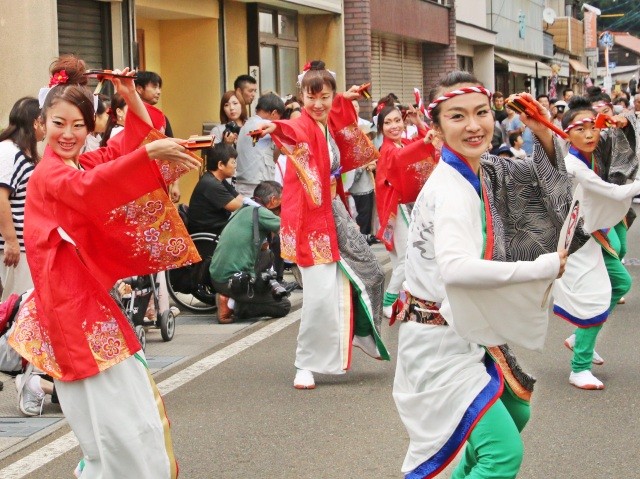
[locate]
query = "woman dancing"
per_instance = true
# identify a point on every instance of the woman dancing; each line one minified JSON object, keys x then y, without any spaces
{"x":478,"y":266}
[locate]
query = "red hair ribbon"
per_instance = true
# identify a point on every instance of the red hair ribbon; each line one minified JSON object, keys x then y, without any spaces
{"x":306,"y":67}
{"x":58,"y":78}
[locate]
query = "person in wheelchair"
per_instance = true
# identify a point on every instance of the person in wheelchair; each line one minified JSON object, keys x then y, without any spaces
{"x":242,"y":265}
{"x":214,"y":197}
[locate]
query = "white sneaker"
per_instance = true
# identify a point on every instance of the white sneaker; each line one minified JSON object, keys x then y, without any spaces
{"x":570,"y":342}
{"x":175,"y":311}
{"x":367,"y":344}
{"x":30,"y":402}
{"x":387,"y":311}
{"x":304,"y":379}
{"x":585,"y":380}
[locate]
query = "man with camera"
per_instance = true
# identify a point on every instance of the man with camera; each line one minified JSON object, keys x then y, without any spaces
{"x":241,"y":268}
{"x":256,"y":160}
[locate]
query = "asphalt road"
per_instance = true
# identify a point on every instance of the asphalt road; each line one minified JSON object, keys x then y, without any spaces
{"x":242,"y":418}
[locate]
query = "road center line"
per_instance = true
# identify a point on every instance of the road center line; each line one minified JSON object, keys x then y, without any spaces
{"x":66,"y":443}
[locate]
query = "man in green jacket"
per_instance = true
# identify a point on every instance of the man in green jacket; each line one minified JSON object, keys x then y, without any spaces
{"x":241,"y":267}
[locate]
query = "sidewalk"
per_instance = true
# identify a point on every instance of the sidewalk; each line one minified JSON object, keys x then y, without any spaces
{"x":195,"y":334}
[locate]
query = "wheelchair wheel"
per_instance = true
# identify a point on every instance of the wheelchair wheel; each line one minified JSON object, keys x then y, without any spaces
{"x":167,"y":324}
{"x":203,"y":298}
{"x":203,"y":301}
{"x":142,"y":336}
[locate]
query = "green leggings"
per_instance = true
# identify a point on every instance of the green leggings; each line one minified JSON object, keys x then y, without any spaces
{"x":494,"y":448}
{"x":620,"y":285}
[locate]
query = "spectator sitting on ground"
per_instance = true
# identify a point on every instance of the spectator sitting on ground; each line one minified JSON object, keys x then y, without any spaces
{"x":516,"y":142}
{"x":233,"y":115}
{"x":246,"y":88}
{"x":257,"y":161}
{"x":214,"y":198}
{"x":241,"y":267}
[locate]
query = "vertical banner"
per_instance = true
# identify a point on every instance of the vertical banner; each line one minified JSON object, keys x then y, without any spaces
{"x":590,"y":30}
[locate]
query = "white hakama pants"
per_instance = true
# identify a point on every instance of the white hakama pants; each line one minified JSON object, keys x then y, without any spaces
{"x":119,"y":419}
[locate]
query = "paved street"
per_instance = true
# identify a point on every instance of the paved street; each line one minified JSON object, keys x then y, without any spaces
{"x":228,"y":391}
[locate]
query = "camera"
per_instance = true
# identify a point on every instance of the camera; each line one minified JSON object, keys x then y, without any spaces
{"x":231,"y":127}
{"x":240,"y":283}
{"x":277,"y":290}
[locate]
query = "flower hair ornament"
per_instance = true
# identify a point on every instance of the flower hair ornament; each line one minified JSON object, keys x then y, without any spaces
{"x":306,"y":68}
{"x":457,"y":92}
{"x":59,"y":78}
{"x":578,"y":123}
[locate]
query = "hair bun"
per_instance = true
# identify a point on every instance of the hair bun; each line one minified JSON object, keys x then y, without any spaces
{"x":578,"y":102}
{"x":594,"y":91}
{"x":73,"y":66}
{"x":317,"y":65}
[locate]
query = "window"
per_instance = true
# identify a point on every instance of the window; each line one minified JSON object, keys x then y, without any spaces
{"x":465,"y":63}
{"x":277,"y":49}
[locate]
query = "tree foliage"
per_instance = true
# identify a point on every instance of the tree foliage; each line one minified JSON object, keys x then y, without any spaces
{"x":628,"y":22}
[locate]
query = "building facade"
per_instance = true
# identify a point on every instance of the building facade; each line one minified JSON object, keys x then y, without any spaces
{"x":398,"y":47}
{"x":519,"y":51}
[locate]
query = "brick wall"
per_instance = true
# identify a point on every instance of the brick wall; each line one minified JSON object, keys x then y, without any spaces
{"x":439,"y":60}
{"x":357,"y":46}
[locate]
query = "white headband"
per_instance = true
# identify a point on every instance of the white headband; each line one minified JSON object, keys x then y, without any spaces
{"x":42,"y":96}
{"x":454,"y":93}
{"x":301,"y":76}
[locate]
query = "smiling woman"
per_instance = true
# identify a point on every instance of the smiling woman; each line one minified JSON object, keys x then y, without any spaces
{"x":402,"y":169}
{"x":466,"y":263}
{"x":78,"y":244}
{"x":343,"y":282}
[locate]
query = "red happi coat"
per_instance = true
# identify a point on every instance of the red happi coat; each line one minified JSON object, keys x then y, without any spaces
{"x":308,"y":231}
{"x":400,"y":175}
{"x":84,"y":230}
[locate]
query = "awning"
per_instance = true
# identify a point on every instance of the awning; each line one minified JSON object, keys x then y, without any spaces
{"x":525,"y":66}
{"x":578,"y":67}
{"x":623,"y":74}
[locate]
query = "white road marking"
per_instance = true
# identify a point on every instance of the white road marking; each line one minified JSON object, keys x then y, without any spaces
{"x":66,"y":443}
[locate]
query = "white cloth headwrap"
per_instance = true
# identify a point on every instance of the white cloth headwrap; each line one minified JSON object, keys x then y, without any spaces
{"x":301,"y":76}
{"x":42,"y":96}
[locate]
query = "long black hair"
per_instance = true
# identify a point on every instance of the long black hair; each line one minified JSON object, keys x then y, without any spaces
{"x":116,"y":102}
{"x":21,"y":130}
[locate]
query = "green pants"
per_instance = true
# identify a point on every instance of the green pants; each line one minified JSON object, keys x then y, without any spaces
{"x":620,"y":285}
{"x":494,"y":448}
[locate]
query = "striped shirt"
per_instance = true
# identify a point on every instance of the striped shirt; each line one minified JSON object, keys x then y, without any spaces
{"x":15,"y":170}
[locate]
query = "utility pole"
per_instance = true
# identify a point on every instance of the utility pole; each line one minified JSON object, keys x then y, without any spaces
{"x":606,"y":40}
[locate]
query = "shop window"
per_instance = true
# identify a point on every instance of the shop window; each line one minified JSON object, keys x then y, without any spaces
{"x":274,"y":48}
{"x":465,"y":63}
